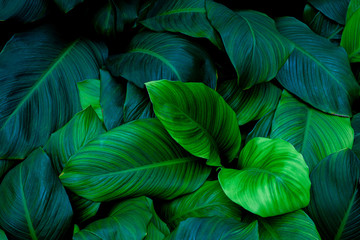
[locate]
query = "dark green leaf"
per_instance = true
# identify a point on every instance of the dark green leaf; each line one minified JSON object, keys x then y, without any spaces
{"x":317,"y":71}
{"x":334,"y":9}
{"x":67,"y":5}
{"x":23,"y":11}
{"x":198,"y":118}
{"x":34,"y":204}
{"x":355,"y":124}
{"x":262,"y":127}
{"x":5,"y":166}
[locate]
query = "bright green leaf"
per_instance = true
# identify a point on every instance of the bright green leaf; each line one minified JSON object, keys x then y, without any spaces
{"x":351,"y":35}
{"x":273,"y":178}
{"x":89,"y":91}
{"x":198,"y":118}
{"x":3,"y":235}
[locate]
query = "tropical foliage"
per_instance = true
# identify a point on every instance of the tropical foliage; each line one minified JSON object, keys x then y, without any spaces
{"x":183,"y":119}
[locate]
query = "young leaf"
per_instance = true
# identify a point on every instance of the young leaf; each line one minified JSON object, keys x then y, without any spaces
{"x":317,"y":68}
{"x":89,"y":91}
{"x":254,"y":45}
{"x":38,"y":75}
{"x":34,"y":204}
{"x":313,"y":133}
{"x":198,"y":118}
{"x":273,"y":178}
{"x":135,"y":159}
{"x":153,"y":56}
{"x":335,"y":196}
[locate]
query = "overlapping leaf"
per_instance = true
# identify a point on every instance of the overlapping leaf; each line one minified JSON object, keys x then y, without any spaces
{"x":317,"y":68}
{"x":334,"y":9}
{"x":153,"y":56}
{"x":34,"y":204}
{"x":335,"y":196}
{"x":38,"y":75}
{"x":313,"y":133}
{"x":272,"y":179}
{"x":355,"y":124}
{"x":255,"y":47}
{"x":198,"y":118}
{"x":262,"y":128}
{"x":89,"y":91}
{"x":137,"y":158}
{"x":351,"y":36}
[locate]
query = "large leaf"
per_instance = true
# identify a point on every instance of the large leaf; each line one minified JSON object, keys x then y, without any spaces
{"x":38,"y":75}
{"x":335,"y":196}
{"x":184,"y":16}
{"x":215,"y":228}
{"x":89,"y":91}
{"x":313,"y":133}
{"x":317,"y":68}
{"x":251,"y":104}
{"x":154,"y":56}
{"x":67,"y":5}
{"x":273,"y":178}
{"x":135,"y":159}
{"x":351,"y":36}
{"x":255,"y":47}
{"x":34,"y":204}
{"x":208,"y":201}
{"x":112,"y":98}
{"x":23,"y":11}
{"x":334,"y":9}
{"x":198,"y":118}
{"x":355,"y":124}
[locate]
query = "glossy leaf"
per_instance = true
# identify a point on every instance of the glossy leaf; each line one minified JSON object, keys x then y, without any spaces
{"x":23,"y":11}
{"x":215,"y":228}
{"x":112,"y":98}
{"x":351,"y":36}
{"x":208,"y":201}
{"x":262,"y":128}
{"x":89,"y":91}
{"x":334,"y":9}
{"x":198,"y":118}
{"x":184,"y":16}
{"x":132,"y":161}
{"x":39,"y":93}
{"x":317,"y":68}
{"x":335,"y":198}
{"x":255,"y":47}
{"x":272,"y":179}
{"x":67,"y":5}
{"x":34,"y":204}
{"x":154,"y":56}
{"x":313,"y":133}
{"x":251,"y":104}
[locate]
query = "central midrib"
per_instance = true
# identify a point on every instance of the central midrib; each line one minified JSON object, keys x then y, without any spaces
{"x":183,"y":10}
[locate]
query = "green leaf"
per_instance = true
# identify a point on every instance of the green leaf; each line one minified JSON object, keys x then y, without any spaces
{"x":334,"y":9}
{"x":67,"y":5}
{"x":353,"y":7}
{"x":255,"y":47}
{"x":112,"y":98}
{"x":251,"y":104}
{"x":137,"y":104}
{"x":132,"y":160}
{"x":22,"y":11}
{"x":89,"y":91}
{"x":127,"y":220}
{"x":355,"y":124}
{"x":208,"y":201}
{"x":184,"y":16}
{"x":198,"y":118}
{"x":5,"y":166}
{"x":34,"y":204}
{"x":317,"y":68}
{"x":273,"y":178}
{"x":38,"y":76}
{"x":262,"y":128}
{"x":215,"y":228}
{"x":335,"y":198}
{"x":313,"y":133}
{"x":3,"y":235}
{"x":351,"y":35}
{"x":154,"y":56}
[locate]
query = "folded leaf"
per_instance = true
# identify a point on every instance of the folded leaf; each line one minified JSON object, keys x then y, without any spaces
{"x":38,"y":75}
{"x":34,"y":204}
{"x":23,"y":11}
{"x":334,"y":9}
{"x":135,"y":159}
{"x":254,"y":45}
{"x":184,"y":16}
{"x":89,"y":91}
{"x":335,"y":196}
{"x":198,"y":118}
{"x":317,"y":68}
{"x":351,"y":35}
{"x":273,"y":178}
{"x":67,"y":5}
{"x":313,"y":133}
{"x":251,"y":104}
{"x":112,"y":98}
{"x":153,"y":56}
{"x":215,"y":228}
{"x":208,"y":201}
